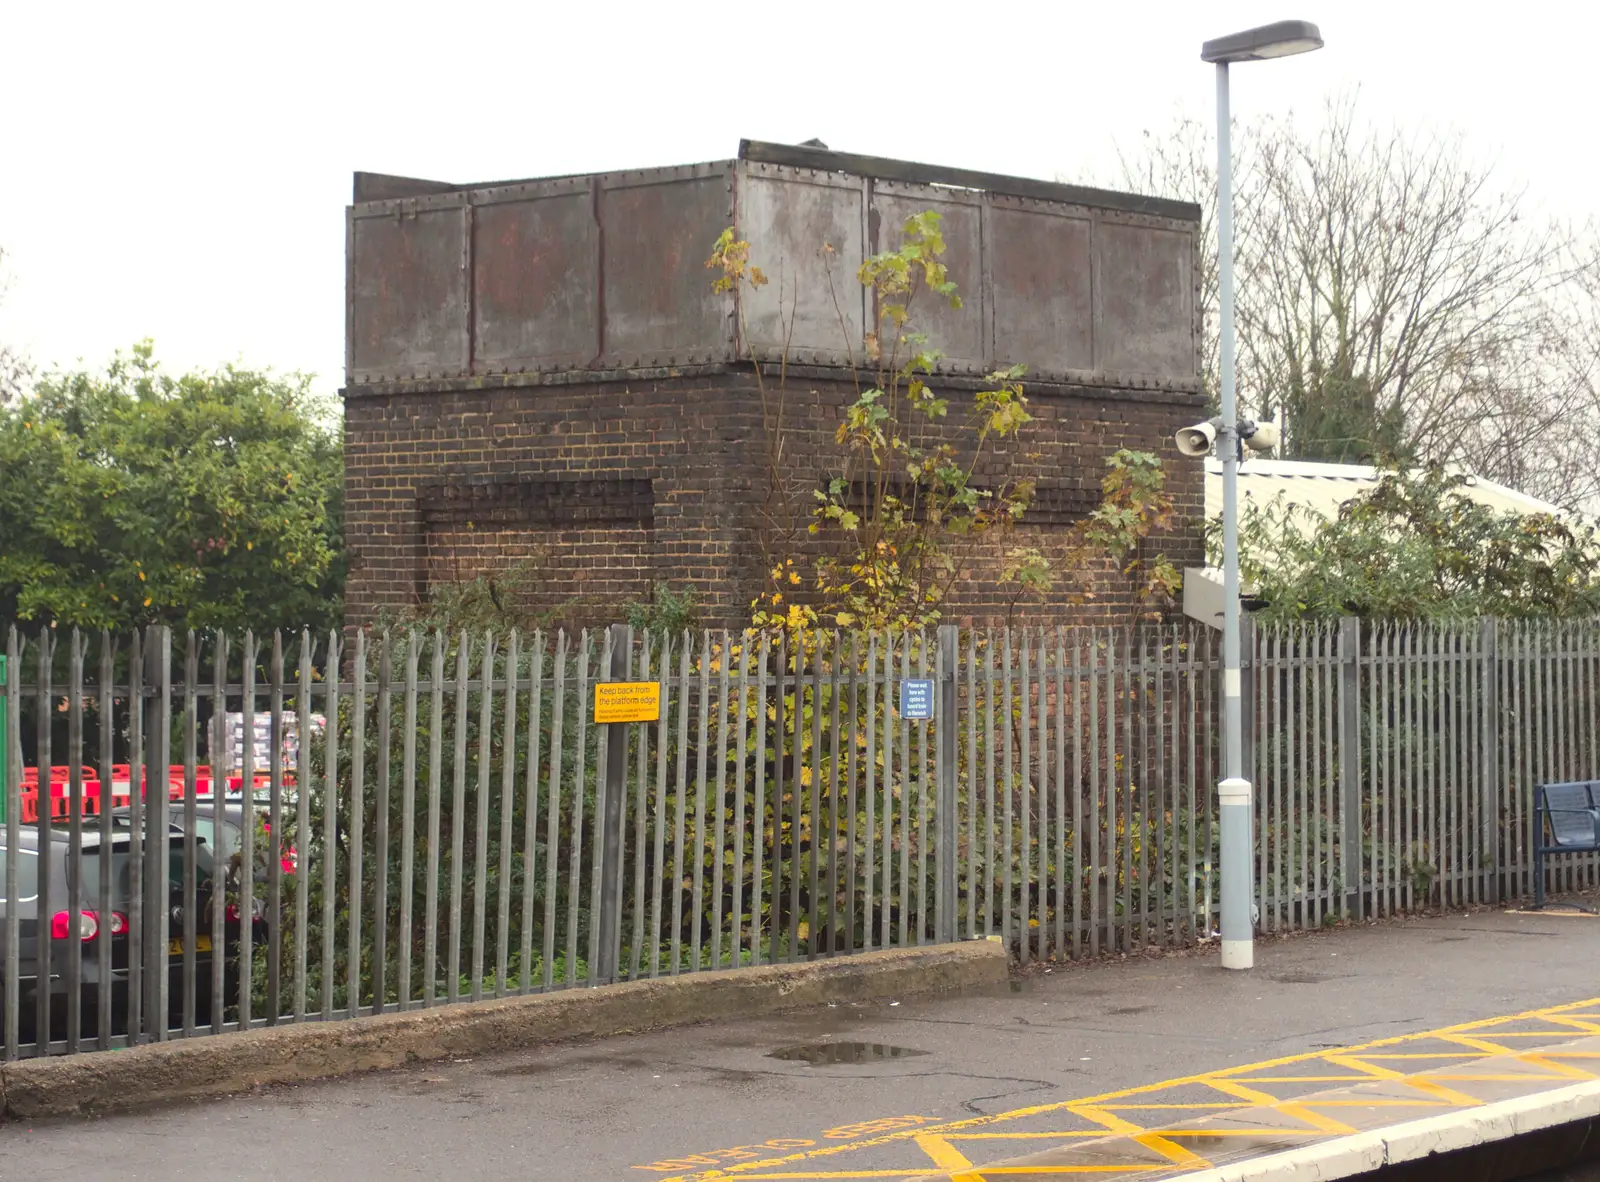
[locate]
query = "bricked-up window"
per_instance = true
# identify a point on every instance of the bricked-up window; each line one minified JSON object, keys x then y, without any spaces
{"x":538,"y":503}
{"x":1055,"y":503}
{"x":1061,"y":504}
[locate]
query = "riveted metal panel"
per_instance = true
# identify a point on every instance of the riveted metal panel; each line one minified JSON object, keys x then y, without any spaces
{"x":657,"y":230}
{"x":408,"y":312}
{"x":1146,"y":299}
{"x":804,"y":229}
{"x":536,"y":299}
{"x":606,"y":273}
{"x":1043,"y":286}
{"x":959,"y":334}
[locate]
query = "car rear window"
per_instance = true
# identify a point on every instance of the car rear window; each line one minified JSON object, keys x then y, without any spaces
{"x":205,"y":828}
{"x":122,"y":868}
{"x":27,"y":875}
{"x":222,"y":846}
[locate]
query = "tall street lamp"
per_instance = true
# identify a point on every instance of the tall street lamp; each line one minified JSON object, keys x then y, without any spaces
{"x":1238,"y":951}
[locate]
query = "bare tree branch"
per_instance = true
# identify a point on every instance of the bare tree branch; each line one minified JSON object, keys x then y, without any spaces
{"x":16,"y":371}
{"x":1396,"y":301}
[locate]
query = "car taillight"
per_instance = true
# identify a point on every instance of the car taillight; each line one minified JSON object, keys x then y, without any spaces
{"x":88,"y":925}
{"x":119,"y":924}
{"x":258,"y":909}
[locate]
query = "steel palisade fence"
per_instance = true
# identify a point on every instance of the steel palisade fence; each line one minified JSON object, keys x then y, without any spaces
{"x":462,"y":828}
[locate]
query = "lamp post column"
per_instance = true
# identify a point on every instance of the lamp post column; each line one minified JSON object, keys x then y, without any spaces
{"x":1238,"y":930}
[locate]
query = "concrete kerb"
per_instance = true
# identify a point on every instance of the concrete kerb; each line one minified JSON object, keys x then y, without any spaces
{"x":216,"y":1065}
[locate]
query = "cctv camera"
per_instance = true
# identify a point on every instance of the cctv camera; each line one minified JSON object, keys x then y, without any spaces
{"x":1197,"y":440}
{"x":1259,"y":436}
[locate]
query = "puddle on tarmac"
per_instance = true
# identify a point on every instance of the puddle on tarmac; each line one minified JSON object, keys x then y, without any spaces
{"x":537,"y":1067}
{"x":819,"y":1054}
{"x":1221,"y":1149}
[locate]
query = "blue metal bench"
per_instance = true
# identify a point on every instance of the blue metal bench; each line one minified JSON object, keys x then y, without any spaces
{"x":1568,"y":817}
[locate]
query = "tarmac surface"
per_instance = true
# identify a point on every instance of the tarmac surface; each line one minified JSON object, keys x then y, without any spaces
{"x":1133,"y":1049}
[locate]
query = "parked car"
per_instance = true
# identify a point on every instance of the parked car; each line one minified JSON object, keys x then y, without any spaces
{"x":44,"y":943}
{"x":225,"y":838}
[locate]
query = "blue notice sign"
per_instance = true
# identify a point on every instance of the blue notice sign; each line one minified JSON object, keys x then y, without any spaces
{"x":916,"y":699}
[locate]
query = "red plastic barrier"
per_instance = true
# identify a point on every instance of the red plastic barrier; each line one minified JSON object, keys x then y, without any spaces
{"x":121,"y":789}
{"x":58,"y":774}
{"x":60,"y":804}
{"x":60,"y":790}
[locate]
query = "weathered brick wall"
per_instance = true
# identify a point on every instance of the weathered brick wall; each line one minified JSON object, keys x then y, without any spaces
{"x":592,"y":492}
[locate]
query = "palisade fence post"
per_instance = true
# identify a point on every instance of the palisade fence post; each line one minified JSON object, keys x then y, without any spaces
{"x":158,"y":758}
{"x":1248,"y":672}
{"x":1350,"y":763}
{"x":611,"y":816}
{"x":945,"y":805}
{"x":1489,"y":759}
{"x":5,"y":758}
{"x":13,"y":819}
{"x":1247,"y":706}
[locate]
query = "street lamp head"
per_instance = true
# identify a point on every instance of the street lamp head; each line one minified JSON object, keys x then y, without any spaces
{"x":1282,"y":39}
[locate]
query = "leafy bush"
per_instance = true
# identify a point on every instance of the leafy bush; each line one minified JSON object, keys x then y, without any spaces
{"x":208,"y":501}
{"x":1416,"y":546}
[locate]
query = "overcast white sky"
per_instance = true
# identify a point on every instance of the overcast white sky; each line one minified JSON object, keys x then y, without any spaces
{"x":181,"y":171}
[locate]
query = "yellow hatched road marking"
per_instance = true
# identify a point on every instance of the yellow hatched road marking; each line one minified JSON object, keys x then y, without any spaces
{"x":1493,"y":1077}
{"x":1564,"y":1070}
{"x":1239,"y":1091}
{"x":988,"y":1171}
{"x":947,"y":1157}
{"x":1365,"y":1060}
{"x":1148,"y":1107}
{"x":1323,"y":1124}
{"x":1033,"y":1171}
{"x":1305,"y":1078}
{"x":1239,"y":1133}
{"x":1482,"y":1045}
{"x":912,"y":1173}
{"x":1590,"y":1027}
{"x":1113,"y":1123}
{"x":1054,"y":1135}
{"x":1439,"y":1091}
{"x":1366,"y":1102}
{"x":1443,"y":1035}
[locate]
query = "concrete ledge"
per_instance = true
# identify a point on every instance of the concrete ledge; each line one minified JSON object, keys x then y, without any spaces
{"x":1456,"y":1133}
{"x":217,"y":1064}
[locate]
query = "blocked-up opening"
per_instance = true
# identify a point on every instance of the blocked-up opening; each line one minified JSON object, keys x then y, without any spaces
{"x":537,"y":503}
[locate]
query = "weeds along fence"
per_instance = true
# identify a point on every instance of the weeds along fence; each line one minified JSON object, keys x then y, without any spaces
{"x":462,"y":827}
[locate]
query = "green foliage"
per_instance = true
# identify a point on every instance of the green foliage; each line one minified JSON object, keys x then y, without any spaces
{"x":902,"y":499}
{"x":905,"y":498}
{"x":1416,"y":546}
{"x":1134,"y":505}
{"x":668,"y":612}
{"x":1337,"y":416}
{"x":1028,"y":570}
{"x":494,"y":602}
{"x":207,"y":501}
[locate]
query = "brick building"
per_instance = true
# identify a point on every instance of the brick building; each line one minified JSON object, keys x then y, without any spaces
{"x":540,"y":379}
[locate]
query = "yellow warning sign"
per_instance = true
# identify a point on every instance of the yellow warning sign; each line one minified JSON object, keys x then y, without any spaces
{"x":627,"y":701}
